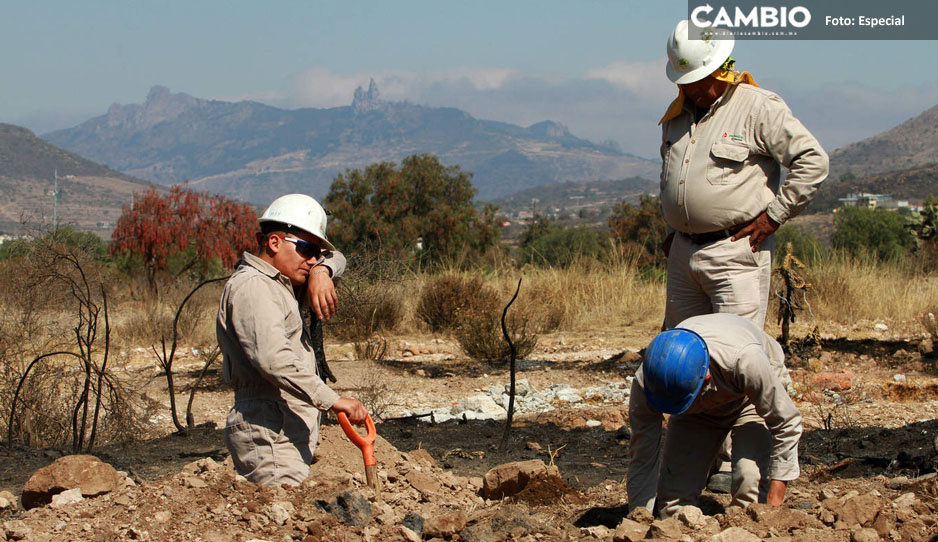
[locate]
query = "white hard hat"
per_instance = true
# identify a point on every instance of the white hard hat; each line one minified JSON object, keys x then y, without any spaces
{"x":301,"y":212}
{"x":695,"y":56}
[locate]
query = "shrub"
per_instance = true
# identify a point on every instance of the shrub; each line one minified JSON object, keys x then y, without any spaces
{"x":480,"y":334}
{"x":376,"y":392}
{"x":365,"y":310}
{"x":370,"y":297}
{"x":445,"y":299}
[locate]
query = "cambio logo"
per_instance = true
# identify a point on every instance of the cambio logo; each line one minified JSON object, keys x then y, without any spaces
{"x":757,"y":17}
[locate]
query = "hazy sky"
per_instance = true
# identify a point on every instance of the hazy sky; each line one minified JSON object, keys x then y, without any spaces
{"x":595,"y":65}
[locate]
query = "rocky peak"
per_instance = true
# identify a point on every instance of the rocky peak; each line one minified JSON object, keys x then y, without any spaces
{"x":549,"y":129}
{"x":367,"y":100}
{"x":161,"y":105}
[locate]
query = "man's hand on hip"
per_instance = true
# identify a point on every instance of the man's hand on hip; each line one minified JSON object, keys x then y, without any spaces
{"x":758,"y":230}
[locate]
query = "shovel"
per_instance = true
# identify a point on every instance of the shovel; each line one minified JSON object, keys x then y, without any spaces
{"x":367,"y":445}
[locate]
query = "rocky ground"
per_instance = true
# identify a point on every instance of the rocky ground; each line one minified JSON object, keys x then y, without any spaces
{"x":868,"y":457}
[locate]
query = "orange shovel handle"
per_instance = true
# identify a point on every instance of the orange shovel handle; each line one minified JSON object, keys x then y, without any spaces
{"x":366,"y":443}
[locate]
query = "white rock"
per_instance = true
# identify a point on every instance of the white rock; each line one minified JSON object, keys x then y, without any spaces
{"x":483,"y":404}
{"x":904,"y":501}
{"x":67,"y":497}
{"x":881,"y":327}
{"x":593,"y":423}
{"x":898,"y":377}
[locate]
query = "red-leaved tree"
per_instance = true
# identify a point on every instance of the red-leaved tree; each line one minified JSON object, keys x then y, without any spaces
{"x":157,"y":228}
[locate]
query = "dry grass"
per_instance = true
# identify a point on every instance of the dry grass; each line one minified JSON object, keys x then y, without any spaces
{"x":846,"y":291}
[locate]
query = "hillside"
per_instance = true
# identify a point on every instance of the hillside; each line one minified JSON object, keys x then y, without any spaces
{"x":90,"y":195}
{"x":912,"y":144}
{"x":572,"y":197}
{"x":254,"y":152}
{"x":909,"y":184}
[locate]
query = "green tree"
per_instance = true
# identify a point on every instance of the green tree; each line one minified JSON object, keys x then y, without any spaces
{"x":67,"y":236}
{"x":804,"y":246}
{"x":878,"y":232}
{"x":421,"y":211}
{"x":561,"y":247}
{"x":539,"y":227}
{"x":640,"y":230}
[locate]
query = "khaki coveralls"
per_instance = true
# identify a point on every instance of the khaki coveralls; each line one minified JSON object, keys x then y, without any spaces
{"x":745,"y":396}
{"x":273,"y":427}
{"x":724,"y":171}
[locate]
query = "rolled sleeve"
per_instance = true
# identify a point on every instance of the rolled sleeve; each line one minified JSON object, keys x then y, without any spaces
{"x":779,"y":134}
{"x":335,"y":262}
{"x":644,"y":449}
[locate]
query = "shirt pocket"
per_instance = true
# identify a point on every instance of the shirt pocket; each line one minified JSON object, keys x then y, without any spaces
{"x":726,"y":163}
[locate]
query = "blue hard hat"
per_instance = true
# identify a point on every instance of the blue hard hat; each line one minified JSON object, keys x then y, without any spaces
{"x":674,"y":368}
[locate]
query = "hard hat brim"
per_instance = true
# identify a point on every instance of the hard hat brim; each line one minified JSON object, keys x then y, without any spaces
{"x":325,"y":242}
{"x":721,"y":52}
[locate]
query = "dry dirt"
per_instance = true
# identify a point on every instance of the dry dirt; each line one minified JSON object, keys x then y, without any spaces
{"x":868,"y":457}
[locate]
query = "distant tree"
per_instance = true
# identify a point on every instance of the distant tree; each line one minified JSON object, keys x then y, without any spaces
{"x":878,"y":232}
{"x":539,"y":227}
{"x":640,"y":230}
{"x":67,"y":236}
{"x":562,"y":247}
{"x":421,"y":211}
{"x":186,"y":228}
{"x":924,"y":226}
{"x":805,"y":247}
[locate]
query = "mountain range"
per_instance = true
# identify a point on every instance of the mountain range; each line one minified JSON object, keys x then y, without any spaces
{"x":912,"y":144}
{"x":254,"y":152}
{"x":90,"y":195}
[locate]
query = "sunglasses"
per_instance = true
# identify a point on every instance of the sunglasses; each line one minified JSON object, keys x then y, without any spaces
{"x":304,"y":248}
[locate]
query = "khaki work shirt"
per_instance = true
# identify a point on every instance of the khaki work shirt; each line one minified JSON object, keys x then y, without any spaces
{"x":266,"y":347}
{"x":725,"y":169}
{"x":747,"y":369}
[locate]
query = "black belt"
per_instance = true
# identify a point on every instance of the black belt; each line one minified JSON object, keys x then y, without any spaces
{"x":709,"y":237}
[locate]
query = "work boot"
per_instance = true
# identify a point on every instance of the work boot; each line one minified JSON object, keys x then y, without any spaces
{"x":720,"y":482}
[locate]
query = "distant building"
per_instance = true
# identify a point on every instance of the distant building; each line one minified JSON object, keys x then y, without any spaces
{"x":878,"y":201}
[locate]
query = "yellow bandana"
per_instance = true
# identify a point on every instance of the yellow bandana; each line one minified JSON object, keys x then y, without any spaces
{"x":730,"y":76}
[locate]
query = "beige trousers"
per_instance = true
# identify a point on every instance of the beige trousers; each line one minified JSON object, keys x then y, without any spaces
{"x":690,"y":447}
{"x":725,"y":276}
{"x":269,"y":443}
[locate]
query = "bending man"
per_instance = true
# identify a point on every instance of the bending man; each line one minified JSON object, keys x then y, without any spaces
{"x":714,"y":374}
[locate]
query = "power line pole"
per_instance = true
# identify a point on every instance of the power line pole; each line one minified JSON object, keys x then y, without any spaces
{"x":55,"y":202}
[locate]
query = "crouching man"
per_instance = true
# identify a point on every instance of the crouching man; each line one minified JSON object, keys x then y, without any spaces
{"x":714,"y":374}
{"x":273,"y":427}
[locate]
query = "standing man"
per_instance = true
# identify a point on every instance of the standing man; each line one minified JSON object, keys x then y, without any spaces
{"x":723,"y":142}
{"x":273,"y":427}
{"x":715,"y":374}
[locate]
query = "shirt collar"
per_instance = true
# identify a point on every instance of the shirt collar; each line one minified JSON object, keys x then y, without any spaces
{"x":264,"y":268}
